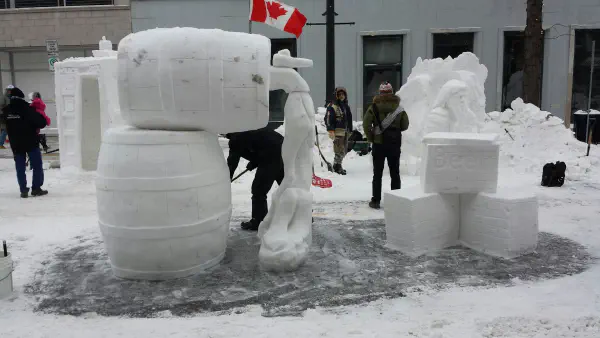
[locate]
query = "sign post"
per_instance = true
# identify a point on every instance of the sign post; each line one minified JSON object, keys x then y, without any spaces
{"x":52,"y":50}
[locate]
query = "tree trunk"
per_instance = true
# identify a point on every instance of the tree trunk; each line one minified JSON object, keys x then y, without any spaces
{"x":534,"y":44}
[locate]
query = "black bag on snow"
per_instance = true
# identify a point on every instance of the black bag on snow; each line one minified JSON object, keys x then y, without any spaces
{"x":391,"y":136}
{"x":553,"y":174}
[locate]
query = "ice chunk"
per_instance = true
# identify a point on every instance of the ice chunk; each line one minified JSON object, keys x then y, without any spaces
{"x":417,"y":223}
{"x":459,"y":163}
{"x":503,"y":224}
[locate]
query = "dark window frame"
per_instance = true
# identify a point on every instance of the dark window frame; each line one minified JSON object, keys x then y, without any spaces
{"x":393,"y":66}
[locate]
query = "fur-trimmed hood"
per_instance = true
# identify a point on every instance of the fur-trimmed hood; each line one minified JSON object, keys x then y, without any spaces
{"x":386,"y":102}
{"x":340,"y":89}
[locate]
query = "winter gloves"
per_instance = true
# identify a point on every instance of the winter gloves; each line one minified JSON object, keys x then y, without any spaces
{"x":331,"y":134}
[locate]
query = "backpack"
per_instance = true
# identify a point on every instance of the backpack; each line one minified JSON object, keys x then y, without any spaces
{"x":553,"y":174}
{"x":391,"y":136}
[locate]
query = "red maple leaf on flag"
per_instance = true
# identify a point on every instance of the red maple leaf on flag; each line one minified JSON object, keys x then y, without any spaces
{"x":275,"y":9}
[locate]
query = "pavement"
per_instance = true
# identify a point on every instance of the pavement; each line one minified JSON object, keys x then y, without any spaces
{"x":348,"y":264}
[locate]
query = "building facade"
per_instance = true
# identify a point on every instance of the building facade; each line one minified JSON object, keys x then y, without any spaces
{"x":76,"y":25}
{"x":389,"y":35}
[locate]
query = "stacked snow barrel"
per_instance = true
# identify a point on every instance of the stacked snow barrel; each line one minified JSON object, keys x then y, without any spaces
{"x":163,"y":186}
{"x":458,"y":202}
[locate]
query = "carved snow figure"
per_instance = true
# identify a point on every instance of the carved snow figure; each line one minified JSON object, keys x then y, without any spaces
{"x":443,"y":96}
{"x":286,"y":232}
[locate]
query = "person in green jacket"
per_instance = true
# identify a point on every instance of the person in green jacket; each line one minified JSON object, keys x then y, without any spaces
{"x":383,"y":124}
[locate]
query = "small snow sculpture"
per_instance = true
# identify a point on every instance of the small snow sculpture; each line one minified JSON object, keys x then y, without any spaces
{"x":443,"y":96}
{"x":286,"y":232}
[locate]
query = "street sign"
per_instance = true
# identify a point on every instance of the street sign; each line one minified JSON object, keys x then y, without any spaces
{"x":52,"y":46}
{"x":52,"y":50}
{"x":51,"y":61}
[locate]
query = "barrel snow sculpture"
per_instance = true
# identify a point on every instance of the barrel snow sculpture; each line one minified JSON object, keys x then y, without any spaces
{"x":163,"y":187}
{"x":164,"y":199}
{"x":190,"y":79}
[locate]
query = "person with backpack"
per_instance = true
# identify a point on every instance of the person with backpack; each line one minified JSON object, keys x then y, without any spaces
{"x":383,"y":124}
{"x":262,"y":149}
{"x":40,"y":107}
{"x":338,"y":121}
{"x":22,"y":123}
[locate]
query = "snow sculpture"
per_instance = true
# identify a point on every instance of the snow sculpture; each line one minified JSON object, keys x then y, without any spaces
{"x":286,"y":232}
{"x":163,"y":190}
{"x":195,"y":79}
{"x":86,"y":105}
{"x":443,"y":96}
{"x":458,"y":202}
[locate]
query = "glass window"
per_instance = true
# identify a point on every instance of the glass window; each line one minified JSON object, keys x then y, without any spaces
{"x":56,"y":3}
{"x":278,"y":98}
{"x":452,"y":44}
{"x":581,"y":70}
{"x":382,"y":61}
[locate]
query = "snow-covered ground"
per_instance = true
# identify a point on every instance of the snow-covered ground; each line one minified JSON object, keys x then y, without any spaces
{"x":565,"y":307}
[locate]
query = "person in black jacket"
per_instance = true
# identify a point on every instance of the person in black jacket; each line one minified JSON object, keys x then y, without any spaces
{"x":262,"y":148}
{"x":22,"y":122}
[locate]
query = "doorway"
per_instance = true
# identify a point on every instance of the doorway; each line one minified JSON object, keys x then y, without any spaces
{"x":91,"y":128}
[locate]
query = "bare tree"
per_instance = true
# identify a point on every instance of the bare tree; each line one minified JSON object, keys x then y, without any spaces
{"x":534,"y":44}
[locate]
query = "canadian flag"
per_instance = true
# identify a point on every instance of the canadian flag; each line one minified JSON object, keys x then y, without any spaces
{"x":278,"y":15}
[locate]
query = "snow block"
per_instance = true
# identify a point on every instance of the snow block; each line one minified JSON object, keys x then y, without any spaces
{"x":86,"y":106}
{"x":417,"y":223}
{"x":195,"y":79}
{"x":502,"y":224}
{"x":459,"y":163}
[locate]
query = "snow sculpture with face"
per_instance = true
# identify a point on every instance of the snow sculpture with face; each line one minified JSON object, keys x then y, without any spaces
{"x":443,"y":96}
{"x":286,"y":232}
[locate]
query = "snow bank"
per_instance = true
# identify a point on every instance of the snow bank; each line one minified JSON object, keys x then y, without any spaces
{"x":443,"y":95}
{"x":539,"y":138}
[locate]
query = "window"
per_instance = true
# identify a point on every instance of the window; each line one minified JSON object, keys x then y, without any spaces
{"x":452,"y":44}
{"x":382,"y":61}
{"x":277,"y":98}
{"x":55,"y":3}
{"x":582,"y":67}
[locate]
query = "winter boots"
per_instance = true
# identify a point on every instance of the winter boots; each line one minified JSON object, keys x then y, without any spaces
{"x":337,"y":168}
{"x":553,"y":174}
{"x":34,"y":193}
{"x":374,"y":204}
{"x":251,"y":225}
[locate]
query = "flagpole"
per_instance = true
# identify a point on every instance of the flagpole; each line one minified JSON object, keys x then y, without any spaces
{"x":250,"y":21}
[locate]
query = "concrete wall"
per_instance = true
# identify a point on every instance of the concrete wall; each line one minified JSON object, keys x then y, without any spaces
{"x":417,"y":20}
{"x":69,"y":25}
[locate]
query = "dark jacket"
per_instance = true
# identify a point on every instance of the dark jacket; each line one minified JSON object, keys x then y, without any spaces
{"x":339,"y":117}
{"x":386,"y":104}
{"x":262,"y":146}
{"x":22,"y":121}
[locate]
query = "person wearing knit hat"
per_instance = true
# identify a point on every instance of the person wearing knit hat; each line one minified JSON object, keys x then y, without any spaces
{"x":22,"y":122}
{"x":338,"y":121}
{"x":383,"y":124}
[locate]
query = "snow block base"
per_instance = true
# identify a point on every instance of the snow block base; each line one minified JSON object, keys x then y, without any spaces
{"x":417,"y":223}
{"x":459,"y":163}
{"x":502,"y":224}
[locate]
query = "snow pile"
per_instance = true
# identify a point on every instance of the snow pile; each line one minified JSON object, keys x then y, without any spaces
{"x":539,"y":138}
{"x":443,"y":95}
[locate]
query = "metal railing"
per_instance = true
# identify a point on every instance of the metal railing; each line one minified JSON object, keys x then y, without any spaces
{"x":5,"y":4}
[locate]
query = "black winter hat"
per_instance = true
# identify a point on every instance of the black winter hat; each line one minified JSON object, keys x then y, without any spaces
{"x":17,"y":93}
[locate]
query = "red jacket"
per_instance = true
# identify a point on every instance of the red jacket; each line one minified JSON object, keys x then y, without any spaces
{"x":40,"y":107}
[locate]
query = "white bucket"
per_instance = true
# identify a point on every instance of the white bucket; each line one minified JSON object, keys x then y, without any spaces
{"x":6,"y":281}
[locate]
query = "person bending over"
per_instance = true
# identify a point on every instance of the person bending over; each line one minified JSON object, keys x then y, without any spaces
{"x":262,"y":149}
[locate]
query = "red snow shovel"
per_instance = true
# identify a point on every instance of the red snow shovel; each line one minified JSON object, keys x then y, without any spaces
{"x":322,"y":183}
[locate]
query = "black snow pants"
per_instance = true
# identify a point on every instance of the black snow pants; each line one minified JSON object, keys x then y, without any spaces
{"x":266,"y":174}
{"x":380,"y":153}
